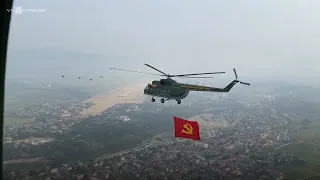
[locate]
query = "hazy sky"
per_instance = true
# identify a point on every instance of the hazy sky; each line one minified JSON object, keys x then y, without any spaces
{"x":273,"y":39}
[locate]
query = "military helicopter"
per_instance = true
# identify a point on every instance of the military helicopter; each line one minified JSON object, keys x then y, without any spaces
{"x":169,"y":89}
{"x":79,"y":77}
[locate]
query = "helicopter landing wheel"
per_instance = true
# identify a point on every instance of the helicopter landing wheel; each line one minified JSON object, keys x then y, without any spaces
{"x":162,"y":100}
{"x":152,"y":99}
{"x":178,"y":101}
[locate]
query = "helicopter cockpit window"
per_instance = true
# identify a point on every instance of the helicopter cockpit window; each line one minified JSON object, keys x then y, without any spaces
{"x":161,"y":82}
{"x":147,"y":87}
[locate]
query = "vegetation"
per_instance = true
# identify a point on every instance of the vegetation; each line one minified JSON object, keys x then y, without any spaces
{"x":308,"y":152}
{"x":16,"y":98}
{"x":311,"y":134}
{"x":307,"y":148}
{"x":87,"y":141}
{"x":101,"y":135}
{"x":294,"y":171}
{"x":9,"y":121}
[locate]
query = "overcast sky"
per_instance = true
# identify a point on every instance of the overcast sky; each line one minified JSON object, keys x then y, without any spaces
{"x":262,"y":39}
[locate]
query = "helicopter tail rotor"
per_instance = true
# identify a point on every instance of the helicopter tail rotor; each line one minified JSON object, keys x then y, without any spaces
{"x":236,"y":75}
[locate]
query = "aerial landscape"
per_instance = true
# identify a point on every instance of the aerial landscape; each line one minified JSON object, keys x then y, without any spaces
{"x":68,"y":115}
{"x":258,"y":136}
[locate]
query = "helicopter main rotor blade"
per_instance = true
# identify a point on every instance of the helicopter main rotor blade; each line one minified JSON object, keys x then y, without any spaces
{"x":157,"y":70}
{"x":192,"y":77}
{"x":135,"y":71}
{"x":194,"y":74}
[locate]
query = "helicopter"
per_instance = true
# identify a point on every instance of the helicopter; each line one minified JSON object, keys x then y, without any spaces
{"x":79,"y":77}
{"x":168,"y":89}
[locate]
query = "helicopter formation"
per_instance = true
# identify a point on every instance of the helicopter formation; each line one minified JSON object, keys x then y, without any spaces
{"x":79,"y":77}
{"x":169,"y":89}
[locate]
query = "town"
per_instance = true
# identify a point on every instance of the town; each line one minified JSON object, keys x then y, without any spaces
{"x":235,"y":143}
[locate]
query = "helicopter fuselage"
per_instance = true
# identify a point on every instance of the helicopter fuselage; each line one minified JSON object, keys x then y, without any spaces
{"x":166,"y":88}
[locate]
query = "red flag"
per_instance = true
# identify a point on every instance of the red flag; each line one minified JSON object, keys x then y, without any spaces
{"x":186,"y":129}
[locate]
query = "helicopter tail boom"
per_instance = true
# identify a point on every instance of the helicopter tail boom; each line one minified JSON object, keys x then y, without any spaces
{"x":229,"y":86}
{"x":213,"y":89}
{"x":234,"y":82}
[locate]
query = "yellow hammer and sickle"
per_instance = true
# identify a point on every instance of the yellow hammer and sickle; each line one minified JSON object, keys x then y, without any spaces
{"x":187,"y":129}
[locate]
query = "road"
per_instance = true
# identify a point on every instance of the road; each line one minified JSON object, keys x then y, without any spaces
{"x":284,"y":145}
{"x":29,"y":160}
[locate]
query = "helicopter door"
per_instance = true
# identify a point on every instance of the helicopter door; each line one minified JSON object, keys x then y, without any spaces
{"x":165,"y":93}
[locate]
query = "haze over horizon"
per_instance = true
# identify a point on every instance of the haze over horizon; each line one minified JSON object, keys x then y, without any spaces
{"x":269,"y":40}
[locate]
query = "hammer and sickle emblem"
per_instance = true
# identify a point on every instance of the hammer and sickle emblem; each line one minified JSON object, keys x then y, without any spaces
{"x":187,"y":129}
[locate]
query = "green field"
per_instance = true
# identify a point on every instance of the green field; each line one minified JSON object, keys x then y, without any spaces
{"x":316,"y":177}
{"x":15,"y":98}
{"x":307,"y":147}
{"x":311,"y":134}
{"x":9,"y":121}
{"x":292,"y":171}
{"x":308,"y":152}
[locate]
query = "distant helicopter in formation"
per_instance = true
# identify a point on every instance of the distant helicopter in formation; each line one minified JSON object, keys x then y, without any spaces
{"x":169,"y":89}
{"x":80,"y":77}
